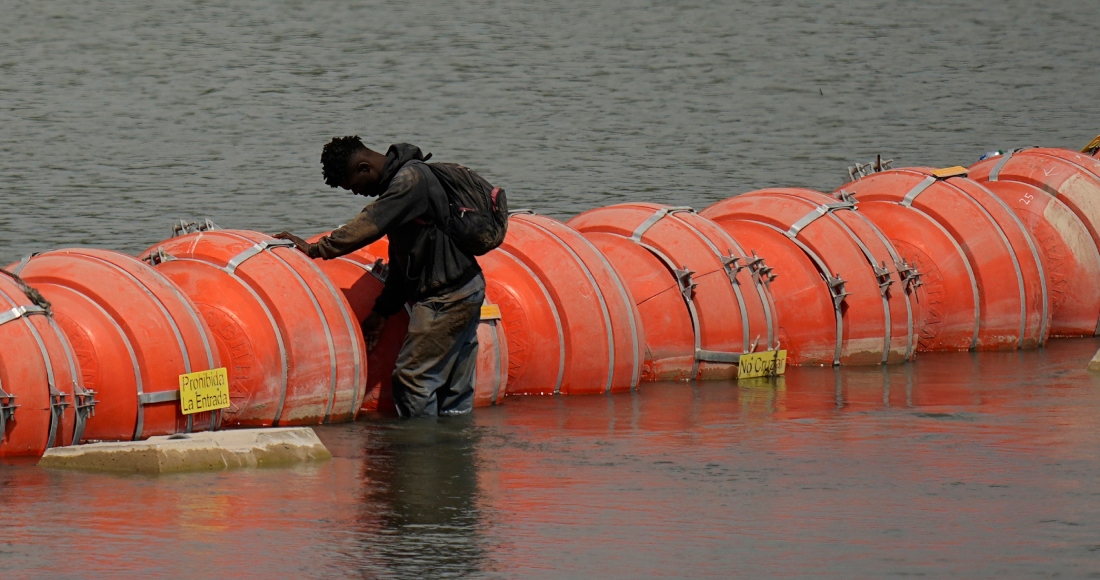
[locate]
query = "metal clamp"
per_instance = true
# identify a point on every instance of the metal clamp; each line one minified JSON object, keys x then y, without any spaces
{"x":379,"y":269}
{"x":861,"y":170}
{"x":158,"y":397}
{"x":910,"y":277}
{"x":683,"y":279}
{"x":731,"y":266}
{"x":7,"y":410}
{"x":836,"y":288}
{"x":255,"y":250}
{"x":653,"y":219}
{"x":85,"y":403}
{"x":817,"y":212}
{"x":58,"y":404}
{"x":158,"y":257}
{"x":185,"y":227}
{"x":882,"y":274}
{"x":717,"y":356}
{"x":21,"y":311}
{"x":761,"y":272}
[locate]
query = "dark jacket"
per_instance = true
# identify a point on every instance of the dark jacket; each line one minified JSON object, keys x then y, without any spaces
{"x":423,"y":261}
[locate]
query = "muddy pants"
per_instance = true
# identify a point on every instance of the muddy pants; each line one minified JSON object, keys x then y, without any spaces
{"x":435,"y":368}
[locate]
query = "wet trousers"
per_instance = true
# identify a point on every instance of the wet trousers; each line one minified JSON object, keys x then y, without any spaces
{"x":435,"y":368}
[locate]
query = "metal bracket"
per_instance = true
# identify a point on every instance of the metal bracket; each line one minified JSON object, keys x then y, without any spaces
{"x":817,"y":212}
{"x":58,"y":404}
{"x":836,"y":288}
{"x":7,"y":411}
{"x":910,"y":277}
{"x":158,"y":257}
{"x":21,"y":311}
{"x":158,"y":397}
{"x":254,"y":250}
{"x":882,"y":274}
{"x":85,"y":403}
{"x":379,"y":269}
{"x":653,"y":219}
{"x":861,"y":170}
{"x":185,"y":227}
{"x":717,"y":356}
{"x":845,"y":195}
{"x":683,"y":279}
{"x":761,"y":272}
{"x":729,"y":264}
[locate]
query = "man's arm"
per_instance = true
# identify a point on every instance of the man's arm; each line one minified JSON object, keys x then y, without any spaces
{"x":404,"y":201}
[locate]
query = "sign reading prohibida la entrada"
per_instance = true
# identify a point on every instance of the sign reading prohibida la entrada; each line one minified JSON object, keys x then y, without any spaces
{"x":204,"y":391}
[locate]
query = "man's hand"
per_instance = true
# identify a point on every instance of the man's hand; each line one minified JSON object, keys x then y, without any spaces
{"x":302,"y":245}
{"x":372,"y":329}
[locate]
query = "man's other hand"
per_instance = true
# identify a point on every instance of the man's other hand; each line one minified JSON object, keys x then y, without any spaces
{"x":302,"y":245}
{"x":372,"y":329}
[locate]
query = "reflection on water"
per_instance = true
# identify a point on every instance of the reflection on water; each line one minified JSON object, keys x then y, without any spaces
{"x":974,"y":465}
{"x":420,"y":498}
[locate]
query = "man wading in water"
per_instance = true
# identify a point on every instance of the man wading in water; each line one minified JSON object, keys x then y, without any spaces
{"x":431,"y":264}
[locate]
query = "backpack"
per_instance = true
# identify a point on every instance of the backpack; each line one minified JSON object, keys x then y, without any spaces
{"x":478,"y":217}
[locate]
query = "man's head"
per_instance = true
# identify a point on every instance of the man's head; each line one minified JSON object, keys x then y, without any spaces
{"x":349,"y":164}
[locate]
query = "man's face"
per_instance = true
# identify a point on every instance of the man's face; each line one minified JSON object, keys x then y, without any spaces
{"x":363,"y":176}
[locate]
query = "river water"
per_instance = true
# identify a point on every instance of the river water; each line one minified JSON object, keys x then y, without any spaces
{"x":118,"y":118}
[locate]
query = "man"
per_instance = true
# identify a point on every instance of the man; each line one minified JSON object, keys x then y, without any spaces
{"x":435,"y":367}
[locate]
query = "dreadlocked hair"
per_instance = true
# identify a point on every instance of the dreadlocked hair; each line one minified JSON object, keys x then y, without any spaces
{"x":335,"y":156}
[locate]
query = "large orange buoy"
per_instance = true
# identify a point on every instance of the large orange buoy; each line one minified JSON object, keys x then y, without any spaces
{"x":293,"y":349}
{"x":871,"y":304}
{"x":695,"y":275}
{"x":360,"y":276}
{"x":1014,"y":306}
{"x":809,"y":323}
{"x":1073,"y":178}
{"x":1069,"y":255}
{"x":570,"y":321}
{"x":133,"y":332}
{"x":945,"y":292}
{"x":43,"y":402}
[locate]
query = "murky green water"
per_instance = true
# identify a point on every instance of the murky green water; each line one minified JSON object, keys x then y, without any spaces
{"x":117,"y":118}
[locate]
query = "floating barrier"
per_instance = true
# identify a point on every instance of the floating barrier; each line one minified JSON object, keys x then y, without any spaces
{"x":570,"y":321}
{"x":944,"y":291}
{"x":873,"y":323}
{"x":43,"y":402}
{"x":133,"y":333}
{"x":293,"y":350}
{"x":1069,"y":256}
{"x":360,"y":275}
{"x":699,"y":297}
{"x":1014,"y":305}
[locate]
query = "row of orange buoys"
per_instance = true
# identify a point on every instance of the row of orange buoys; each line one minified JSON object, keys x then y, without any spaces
{"x":999,"y":256}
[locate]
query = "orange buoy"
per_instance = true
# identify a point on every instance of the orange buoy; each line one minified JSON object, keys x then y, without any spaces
{"x":133,"y":332}
{"x":360,"y":275}
{"x":1073,"y":178}
{"x":945,"y":291}
{"x":43,"y":402}
{"x":1069,"y":256}
{"x":807,"y":312}
{"x":1014,"y":306}
{"x":695,"y":274}
{"x":570,"y":321}
{"x":293,"y":349}
{"x":875,"y":322}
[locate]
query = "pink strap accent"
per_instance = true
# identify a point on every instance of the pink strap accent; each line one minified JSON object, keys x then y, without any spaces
{"x":494,"y":194}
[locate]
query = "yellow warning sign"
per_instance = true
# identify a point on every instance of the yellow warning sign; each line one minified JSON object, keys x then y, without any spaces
{"x":490,"y":312}
{"x":762,"y":364}
{"x":204,"y":391}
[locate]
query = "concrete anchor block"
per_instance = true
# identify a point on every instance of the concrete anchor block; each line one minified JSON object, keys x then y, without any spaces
{"x":205,"y":451}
